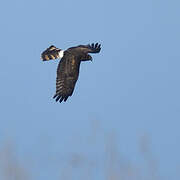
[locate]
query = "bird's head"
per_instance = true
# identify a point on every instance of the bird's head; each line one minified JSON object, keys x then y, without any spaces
{"x":87,"y":57}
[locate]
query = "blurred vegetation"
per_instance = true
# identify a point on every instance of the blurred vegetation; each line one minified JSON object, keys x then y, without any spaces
{"x":10,"y":168}
{"x":111,"y":166}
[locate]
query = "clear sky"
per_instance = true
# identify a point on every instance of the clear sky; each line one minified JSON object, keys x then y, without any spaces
{"x":130,"y":90}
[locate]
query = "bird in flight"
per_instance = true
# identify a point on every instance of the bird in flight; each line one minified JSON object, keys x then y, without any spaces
{"x":68,"y":68}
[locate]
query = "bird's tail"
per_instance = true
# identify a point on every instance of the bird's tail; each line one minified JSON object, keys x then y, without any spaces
{"x":50,"y":53}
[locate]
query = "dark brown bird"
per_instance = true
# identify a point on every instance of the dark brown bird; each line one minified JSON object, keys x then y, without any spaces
{"x":68,"y":68}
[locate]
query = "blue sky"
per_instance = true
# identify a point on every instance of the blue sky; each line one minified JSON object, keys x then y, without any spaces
{"x":131,"y":88}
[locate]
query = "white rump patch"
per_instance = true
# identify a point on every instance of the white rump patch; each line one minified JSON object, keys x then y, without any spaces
{"x":61,"y":53}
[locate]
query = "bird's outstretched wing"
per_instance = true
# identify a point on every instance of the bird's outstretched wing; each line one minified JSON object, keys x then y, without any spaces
{"x":50,"y":53}
{"x":67,"y":75}
{"x":90,"y":48}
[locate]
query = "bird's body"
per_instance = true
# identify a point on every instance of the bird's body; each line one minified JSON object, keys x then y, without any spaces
{"x":68,"y":68}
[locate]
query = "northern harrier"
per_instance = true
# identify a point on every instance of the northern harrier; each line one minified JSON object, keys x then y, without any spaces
{"x":68,"y":68}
